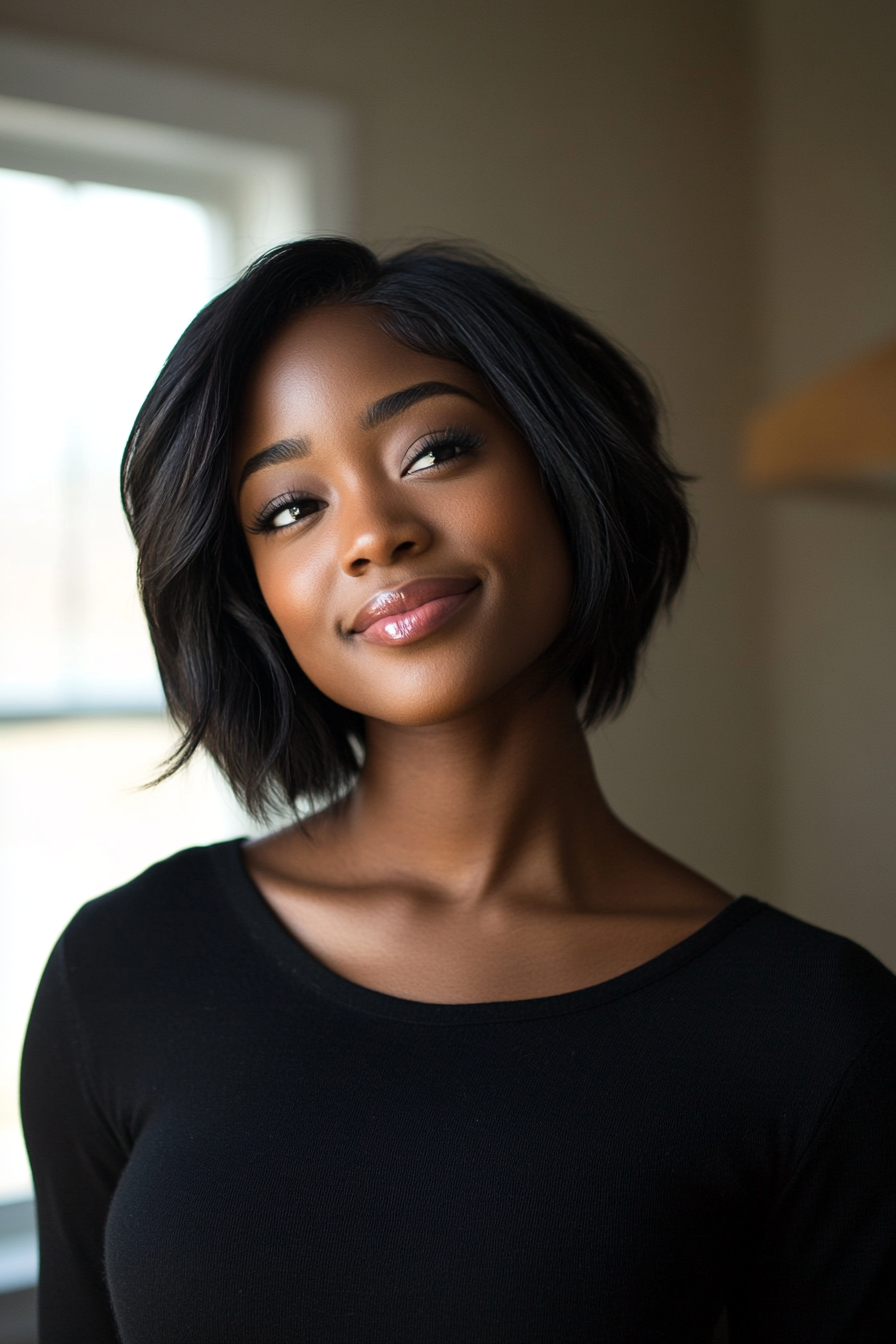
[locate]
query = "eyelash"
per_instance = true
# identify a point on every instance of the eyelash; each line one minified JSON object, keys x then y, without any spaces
{"x":460,"y":437}
{"x":464,"y":440}
{"x":264,"y":521}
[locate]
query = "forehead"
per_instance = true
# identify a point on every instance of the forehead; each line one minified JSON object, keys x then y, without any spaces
{"x":325,"y":367}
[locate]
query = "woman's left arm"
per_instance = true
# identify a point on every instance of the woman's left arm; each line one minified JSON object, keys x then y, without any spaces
{"x":825,"y":1272}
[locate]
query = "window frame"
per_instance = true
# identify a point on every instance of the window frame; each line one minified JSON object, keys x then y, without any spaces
{"x":235,"y":122}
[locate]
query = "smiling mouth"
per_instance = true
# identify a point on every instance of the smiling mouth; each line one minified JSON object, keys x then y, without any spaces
{"x":412,"y":611}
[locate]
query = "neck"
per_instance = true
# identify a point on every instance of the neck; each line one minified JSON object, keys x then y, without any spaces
{"x":504,"y":796}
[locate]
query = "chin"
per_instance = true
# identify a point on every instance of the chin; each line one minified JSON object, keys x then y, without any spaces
{"x":420,"y":687}
{"x":420,"y":701}
{"x":416,"y":711}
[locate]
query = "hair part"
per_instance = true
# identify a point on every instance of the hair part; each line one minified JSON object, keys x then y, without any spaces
{"x":587,"y":414}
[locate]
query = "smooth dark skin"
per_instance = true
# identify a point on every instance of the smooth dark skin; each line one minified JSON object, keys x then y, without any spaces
{"x":476,"y":859}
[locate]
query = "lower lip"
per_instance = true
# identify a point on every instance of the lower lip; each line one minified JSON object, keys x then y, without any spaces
{"x":406,"y":626}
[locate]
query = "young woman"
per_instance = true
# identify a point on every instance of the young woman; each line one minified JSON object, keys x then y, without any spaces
{"x":458,"y":1059}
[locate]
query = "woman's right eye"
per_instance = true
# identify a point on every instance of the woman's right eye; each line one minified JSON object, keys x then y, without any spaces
{"x":283,"y":514}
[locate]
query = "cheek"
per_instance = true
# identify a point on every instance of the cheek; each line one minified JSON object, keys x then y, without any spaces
{"x":296,"y":597}
{"x":299,"y":595}
{"x":529,"y":551}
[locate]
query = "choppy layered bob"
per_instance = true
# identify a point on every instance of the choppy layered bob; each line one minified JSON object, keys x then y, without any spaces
{"x":232,"y":685}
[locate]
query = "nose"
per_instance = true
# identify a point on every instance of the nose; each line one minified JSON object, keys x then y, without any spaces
{"x":379,"y":529}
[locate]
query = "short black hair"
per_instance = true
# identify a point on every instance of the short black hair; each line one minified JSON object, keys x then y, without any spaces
{"x":588,"y":415}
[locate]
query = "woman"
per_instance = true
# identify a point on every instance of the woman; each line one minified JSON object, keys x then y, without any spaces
{"x":458,"y":1058}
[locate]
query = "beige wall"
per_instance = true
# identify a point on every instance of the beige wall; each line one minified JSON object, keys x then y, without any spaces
{"x":828,"y":194}
{"x":721,"y":198}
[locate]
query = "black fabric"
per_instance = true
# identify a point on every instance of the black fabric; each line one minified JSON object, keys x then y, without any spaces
{"x":233,"y":1144}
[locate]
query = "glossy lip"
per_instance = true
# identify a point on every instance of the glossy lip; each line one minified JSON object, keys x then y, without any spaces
{"x":411,"y":611}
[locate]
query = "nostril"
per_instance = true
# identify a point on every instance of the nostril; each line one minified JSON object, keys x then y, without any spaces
{"x":404,"y":546}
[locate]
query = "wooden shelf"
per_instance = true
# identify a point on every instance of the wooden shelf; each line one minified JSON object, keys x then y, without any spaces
{"x":841,"y":428}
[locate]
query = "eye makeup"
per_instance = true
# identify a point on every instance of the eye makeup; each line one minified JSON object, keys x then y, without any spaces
{"x":436,"y":451}
{"x":442,"y":447}
{"x":292,"y":508}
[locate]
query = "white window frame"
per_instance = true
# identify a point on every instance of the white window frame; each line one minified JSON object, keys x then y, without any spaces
{"x":284,"y":159}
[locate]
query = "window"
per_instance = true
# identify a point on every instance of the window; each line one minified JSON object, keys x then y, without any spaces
{"x":128,"y":196}
{"x":96,"y":283}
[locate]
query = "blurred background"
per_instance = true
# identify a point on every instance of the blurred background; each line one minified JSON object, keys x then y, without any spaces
{"x":713,"y":182}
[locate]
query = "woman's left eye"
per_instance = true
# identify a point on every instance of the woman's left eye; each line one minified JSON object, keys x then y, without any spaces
{"x":427,"y":459}
{"x":438,"y":452}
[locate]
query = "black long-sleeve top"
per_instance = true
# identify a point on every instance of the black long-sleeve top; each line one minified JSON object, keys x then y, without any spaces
{"x":234,"y":1145}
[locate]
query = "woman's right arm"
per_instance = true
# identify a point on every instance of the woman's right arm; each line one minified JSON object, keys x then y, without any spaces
{"x":76,"y":1161}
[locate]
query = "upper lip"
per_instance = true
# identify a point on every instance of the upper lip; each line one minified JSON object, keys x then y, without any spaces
{"x":407,"y":596}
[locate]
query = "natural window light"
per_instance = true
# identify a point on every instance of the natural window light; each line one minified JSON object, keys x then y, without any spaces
{"x":96,"y":283}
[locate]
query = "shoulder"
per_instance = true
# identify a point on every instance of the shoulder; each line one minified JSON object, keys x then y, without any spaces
{"x":797,"y":995}
{"x":791,"y":958}
{"x":136,"y":976}
{"x":160,"y":916}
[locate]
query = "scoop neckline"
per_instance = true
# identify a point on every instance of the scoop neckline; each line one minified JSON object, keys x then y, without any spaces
{"x":295,"y":959}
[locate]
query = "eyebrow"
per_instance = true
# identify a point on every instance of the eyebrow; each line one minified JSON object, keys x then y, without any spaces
{"x":396,"y":402}
{"x":285,"y":450}
{"x":292,"y":450}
